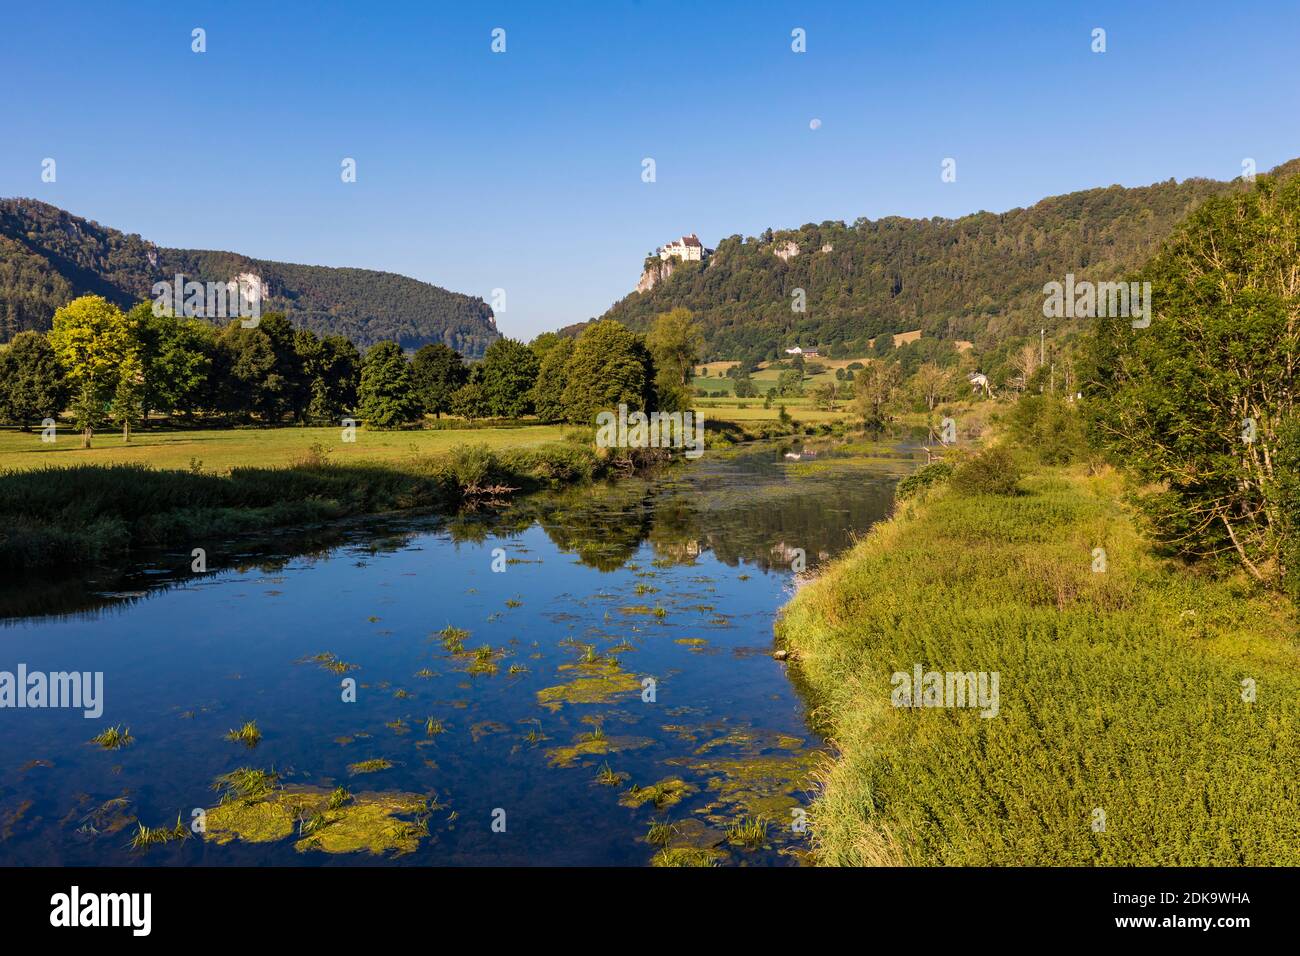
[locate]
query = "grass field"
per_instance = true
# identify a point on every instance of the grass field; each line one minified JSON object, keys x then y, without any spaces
{"x":765,"y":377}
{"x":221,"y":449}
{"x":1123,"y":735}
{"x":729,"y":410}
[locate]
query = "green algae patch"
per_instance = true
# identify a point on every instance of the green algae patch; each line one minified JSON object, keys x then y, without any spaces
{"x":688,"y":856}
{"x":112,"y":816}
{"x":375,"y":823}
{"x":768,"y":786}
{"x":596,"y":682}
{"x":751,"y":740}
{"x":486,"y":728}
{"x":589,"y":746}
{"x":369,"y":766}
{"x":666,"y":793}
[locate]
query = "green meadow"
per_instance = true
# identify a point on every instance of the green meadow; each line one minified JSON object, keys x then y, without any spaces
{"x":221,"y":449}
{"x":1124,"y":734}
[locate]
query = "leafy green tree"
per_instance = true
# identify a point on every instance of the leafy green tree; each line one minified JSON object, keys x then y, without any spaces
{"x":509,"y":371}
{"x":1198,"y":404}
{"x":386,"y":396}
{"x":32,"y":385}
{"x":128,"y":397}
{"x":331,"y":365}
{"x":1049,"y":427}
{"x":548,"y":391}
{"x":745,"y":387}
{"x":244,"y":381}
{"x":873,"y":389}
{"x":87,"y":411}
{"x":675,"y":344}
{"x":286,"y":389}
{"x":610,"y":366}
{"x":436,"y":372}
{"x":543,"y":344}
{"x":790,"y":383}
{"x":932,"y":384}
{"x":92,"y":339}
{"x":470,"y":402}
{"x":176,"y":358}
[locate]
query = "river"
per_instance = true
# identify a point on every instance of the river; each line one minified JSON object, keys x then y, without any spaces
{"x":581,"y":677}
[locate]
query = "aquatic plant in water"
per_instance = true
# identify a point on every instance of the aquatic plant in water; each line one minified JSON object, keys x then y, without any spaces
{"x":146,"y":836}
{"x":248,"y":735}
{"x":114,"y":738}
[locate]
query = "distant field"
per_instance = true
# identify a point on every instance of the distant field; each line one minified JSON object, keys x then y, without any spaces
{"x":799,"y":408}
{"x":223,"y":449}
{"x":765,"y":377}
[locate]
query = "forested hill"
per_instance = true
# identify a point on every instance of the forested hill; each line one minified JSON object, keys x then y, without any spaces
{"x":49,"y":257}
{"x":979,"y":277}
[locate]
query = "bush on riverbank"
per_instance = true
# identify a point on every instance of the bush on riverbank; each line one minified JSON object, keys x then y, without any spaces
{"x":1122,"y":692}
{"x":993,"y":471}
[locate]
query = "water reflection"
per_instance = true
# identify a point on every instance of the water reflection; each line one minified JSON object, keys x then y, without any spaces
{"x":540,"y":707}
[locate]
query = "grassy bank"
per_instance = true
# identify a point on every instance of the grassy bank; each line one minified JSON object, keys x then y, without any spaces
{"x":222,"y":449}
{"x":62,"y":505}
{"x":56,"y":517}
{"x":1121,"y":691}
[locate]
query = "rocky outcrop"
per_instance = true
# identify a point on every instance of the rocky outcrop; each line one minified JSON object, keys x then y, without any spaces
{"x":656,"y":271}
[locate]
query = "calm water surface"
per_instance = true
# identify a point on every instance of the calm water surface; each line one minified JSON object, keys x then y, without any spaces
{"x":676,"y":578}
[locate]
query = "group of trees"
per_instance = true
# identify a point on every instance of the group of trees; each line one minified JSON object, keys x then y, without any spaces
{"x":1201,"y":405}
{"x":106,"y":365}
{"x":555,"y":378}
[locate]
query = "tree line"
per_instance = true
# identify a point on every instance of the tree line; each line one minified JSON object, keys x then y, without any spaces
{"x":105,"y":365}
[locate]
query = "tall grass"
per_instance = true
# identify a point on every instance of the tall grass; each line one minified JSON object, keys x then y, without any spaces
{"x":1121,"y":692}
{"x":66,"y":516}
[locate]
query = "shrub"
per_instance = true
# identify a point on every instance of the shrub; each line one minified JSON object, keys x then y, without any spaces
{"x":932,"y":474}
{"x":994,"y":471}
{"x":1049,"y":428}
{"x":471,"y":466}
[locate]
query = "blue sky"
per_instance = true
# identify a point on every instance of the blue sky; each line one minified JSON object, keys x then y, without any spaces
{"x":522,"y":170}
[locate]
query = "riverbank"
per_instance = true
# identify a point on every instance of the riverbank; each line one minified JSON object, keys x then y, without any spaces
{"x":1124,"y":734}
{"x":54,"y":516}
{"x":58,"y":517}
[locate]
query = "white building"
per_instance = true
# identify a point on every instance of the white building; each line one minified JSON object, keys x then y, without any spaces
{"x":687,"y":248}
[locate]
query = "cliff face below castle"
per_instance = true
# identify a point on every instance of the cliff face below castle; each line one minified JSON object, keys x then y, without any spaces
{"x":656,"y":271}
